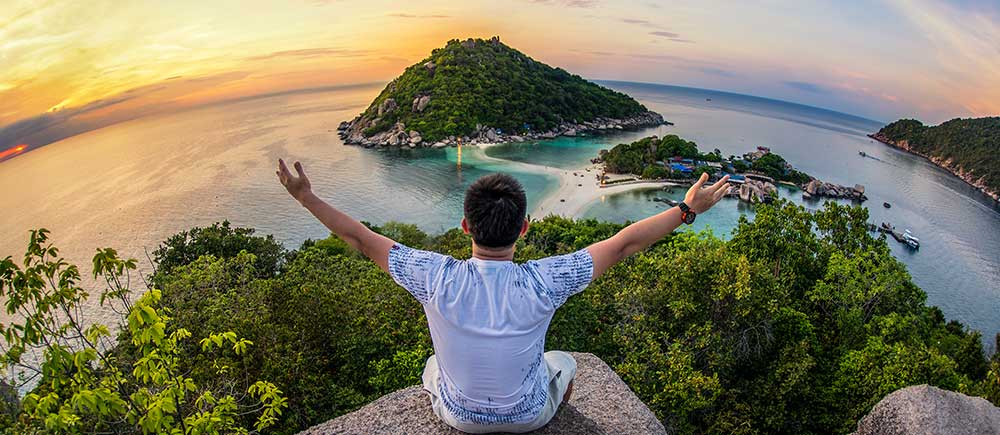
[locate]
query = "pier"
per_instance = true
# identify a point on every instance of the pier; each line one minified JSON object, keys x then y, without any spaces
{"x":903,"y":237}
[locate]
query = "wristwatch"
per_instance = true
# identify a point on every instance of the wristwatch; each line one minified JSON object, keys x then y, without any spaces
{"x":687,"y":215}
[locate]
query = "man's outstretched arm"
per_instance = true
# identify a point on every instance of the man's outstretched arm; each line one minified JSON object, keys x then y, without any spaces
{"x":644,"y":233}
{"x":356,"y":234}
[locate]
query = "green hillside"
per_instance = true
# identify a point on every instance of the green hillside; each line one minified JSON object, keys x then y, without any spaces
{"x":485,"y":83}
{"x":968,"y":147}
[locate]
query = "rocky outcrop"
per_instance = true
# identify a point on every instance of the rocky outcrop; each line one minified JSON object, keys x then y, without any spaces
{"x":420,"y":103}
{"x":601,"y":404}
{"x":353,"y":132}
{"x":820,"y":189}
{"x":924,"y":409}
{"x":754,"y":191}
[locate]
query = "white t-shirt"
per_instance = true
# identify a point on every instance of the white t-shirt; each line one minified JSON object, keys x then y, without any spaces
{"x":488,"y":321}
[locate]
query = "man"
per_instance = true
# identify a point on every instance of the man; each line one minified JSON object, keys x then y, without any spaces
{"x":487,"y":315}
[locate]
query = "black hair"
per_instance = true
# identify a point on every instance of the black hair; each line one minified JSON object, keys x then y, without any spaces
{"x":495,"y":207}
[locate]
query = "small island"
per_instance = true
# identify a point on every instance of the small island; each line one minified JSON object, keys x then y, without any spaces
{"x":965,"y":147}
{"x":482,"y":91}
{"x":753,"y":175}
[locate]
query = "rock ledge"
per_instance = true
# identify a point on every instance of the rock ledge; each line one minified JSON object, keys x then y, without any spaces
{"x":923,"y":409}
{"x":601,"y":404}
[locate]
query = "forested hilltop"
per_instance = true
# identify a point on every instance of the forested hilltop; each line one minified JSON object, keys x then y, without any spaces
{"x":798,"y":324}
{"x":968,"y":148}
{"x":483,"y":89}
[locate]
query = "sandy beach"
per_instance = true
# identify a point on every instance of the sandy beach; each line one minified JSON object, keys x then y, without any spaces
{"x":577,"y":187}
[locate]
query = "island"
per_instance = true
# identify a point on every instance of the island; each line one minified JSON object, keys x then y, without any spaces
{"x":482,"y":91}
{"x":965,"y":147}
{"x":753,"y":175}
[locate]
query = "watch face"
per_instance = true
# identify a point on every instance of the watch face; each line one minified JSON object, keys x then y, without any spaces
{"x":688,"y":217}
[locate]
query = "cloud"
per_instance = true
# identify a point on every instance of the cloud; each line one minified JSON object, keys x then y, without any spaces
{"x":308,"y":53}
{"x":636,"y":21}
{"x":807,"y":87}
{"x":665,"y":34}
{"x":406,"y":15}
{"x":59,"y":124}
{"x":672,"y":36}
{"x":711,"y":70}
{"x":569,"y":3}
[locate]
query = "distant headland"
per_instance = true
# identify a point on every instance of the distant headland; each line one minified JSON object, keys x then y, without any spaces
{"x":967,"y":148}
{"x":482,"y":91}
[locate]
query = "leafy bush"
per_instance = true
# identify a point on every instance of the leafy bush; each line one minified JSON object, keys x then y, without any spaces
{"x":221,"y":240}
{"x":776,"y":167}
{"x":83,"y":387}
{"x":655,"y":172}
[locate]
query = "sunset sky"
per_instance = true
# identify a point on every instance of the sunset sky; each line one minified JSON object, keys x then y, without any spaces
{"x":96,"y":62}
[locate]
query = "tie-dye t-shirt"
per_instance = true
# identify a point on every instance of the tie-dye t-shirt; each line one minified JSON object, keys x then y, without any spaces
{"x":488,"y":321}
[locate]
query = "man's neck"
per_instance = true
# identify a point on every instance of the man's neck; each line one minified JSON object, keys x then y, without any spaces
{"x":504,"y":254}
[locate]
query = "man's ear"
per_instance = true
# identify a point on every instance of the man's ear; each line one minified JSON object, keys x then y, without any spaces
{"x":465,"y":226}
{"x":524,"y":228}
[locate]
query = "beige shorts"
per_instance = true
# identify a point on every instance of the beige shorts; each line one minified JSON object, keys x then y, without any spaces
{"x":562,"y":370}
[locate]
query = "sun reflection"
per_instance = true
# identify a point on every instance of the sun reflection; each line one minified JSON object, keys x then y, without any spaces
{"x":13,"y":151}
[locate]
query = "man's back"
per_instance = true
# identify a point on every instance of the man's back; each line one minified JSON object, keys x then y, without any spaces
{"x":488,"y":321}
{"x":488,"y":316}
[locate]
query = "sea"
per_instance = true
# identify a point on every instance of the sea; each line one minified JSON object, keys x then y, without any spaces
{"x":131,"y":185}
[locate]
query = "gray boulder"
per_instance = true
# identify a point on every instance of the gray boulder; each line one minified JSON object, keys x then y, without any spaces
{"x":601,"y":404}
{"x":387,"y":106}
{"x":923,"y":409}
{"x":420,"y":103}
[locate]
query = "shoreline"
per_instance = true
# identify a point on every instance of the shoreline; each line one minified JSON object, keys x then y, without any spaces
{"x":956,"y":171}
{"x":353,"y":132}
{"x":577,"y":188}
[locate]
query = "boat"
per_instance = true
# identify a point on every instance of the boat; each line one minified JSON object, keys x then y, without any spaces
{"x":911,"y":240}
{"x":886,"y":205}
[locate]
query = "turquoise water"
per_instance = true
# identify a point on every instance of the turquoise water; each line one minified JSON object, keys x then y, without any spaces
{"x":131,"y":185}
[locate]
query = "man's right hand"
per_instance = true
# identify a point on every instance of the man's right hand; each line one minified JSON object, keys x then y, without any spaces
{"x":701,"y":199}
{"x":299,"y":187}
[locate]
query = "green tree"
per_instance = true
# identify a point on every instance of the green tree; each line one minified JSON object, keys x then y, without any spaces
{"x":82,"y":386}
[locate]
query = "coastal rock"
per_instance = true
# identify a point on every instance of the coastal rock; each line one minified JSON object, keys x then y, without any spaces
{"x":755,"y":191}
{"x":601,"y":404}
{"x":387,"y":106}
{"x":923,"y":409}
{"x":353,"y":132}
{"x":439,"y":145}
{"x":420,"y":103}
{"x":819,"y":189}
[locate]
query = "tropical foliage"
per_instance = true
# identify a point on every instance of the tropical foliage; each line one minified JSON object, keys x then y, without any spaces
{"x":972,"y":144}
{"x":635,"y":157}
{"x":486,"y":83}
{"x":775,"y":166}
{"x":798,"y":323}
{"x":84,"y":384}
